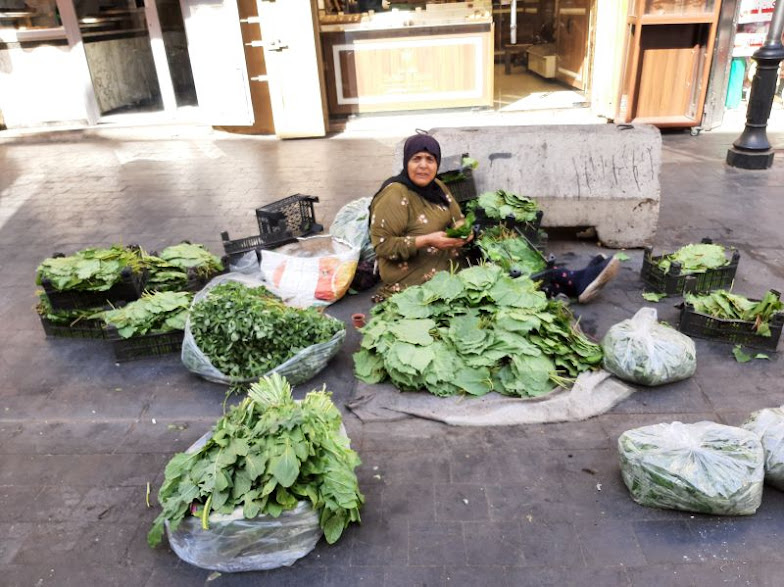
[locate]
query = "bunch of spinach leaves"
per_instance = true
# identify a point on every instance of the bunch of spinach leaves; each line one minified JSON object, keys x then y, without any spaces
{"x":90,"y":269}
{"x":510,"y":251}
{"x":464,"y":229}
{"x":153,"y":313}
{"x":500,"y":205}
{"x":170,"y":269}
{"x":474,"y":332}
{"x":265,"y":455}
{"x":695,"y":258}
{"x":245,"y":332}
{"x":728,"y":306}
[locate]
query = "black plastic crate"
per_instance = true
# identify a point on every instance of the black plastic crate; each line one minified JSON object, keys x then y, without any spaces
{"x":148,"y":345}
{"x":464,"y":188}
{"x":197,"y":282}
{"x":676,"y":283}
{"x":128,"y":289}
{"x":740,"y":332}
{"x":288,"y":218}
{"x":82,"y":329}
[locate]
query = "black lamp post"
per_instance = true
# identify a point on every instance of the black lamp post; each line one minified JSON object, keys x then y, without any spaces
{"x":751,"y":150}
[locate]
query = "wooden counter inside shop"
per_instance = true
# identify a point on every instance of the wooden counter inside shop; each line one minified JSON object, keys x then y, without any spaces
{"x":410,"y":67}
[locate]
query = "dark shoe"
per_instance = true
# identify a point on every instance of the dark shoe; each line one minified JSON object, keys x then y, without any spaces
{"x":558,"y":281}
{"x":597,"y":259}
{"x":594,"y":277}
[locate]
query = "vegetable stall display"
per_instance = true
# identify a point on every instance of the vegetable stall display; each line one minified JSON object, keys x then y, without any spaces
{"x":264,"y":457}
{"x":500,"y":205}
{"x":92,"y":269}
{"x":236,"y":333}
{"x":153,"y":313}
{"x":730,"y":306}
{"x":471,"y":333}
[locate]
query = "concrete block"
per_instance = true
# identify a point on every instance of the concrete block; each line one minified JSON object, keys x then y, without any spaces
{"x":604,"y":176}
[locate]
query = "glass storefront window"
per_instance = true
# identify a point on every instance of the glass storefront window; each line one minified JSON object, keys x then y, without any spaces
{"x":29,"y":14}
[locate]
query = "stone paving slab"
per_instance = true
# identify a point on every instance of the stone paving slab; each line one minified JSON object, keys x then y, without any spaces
{"x":81,"y":436}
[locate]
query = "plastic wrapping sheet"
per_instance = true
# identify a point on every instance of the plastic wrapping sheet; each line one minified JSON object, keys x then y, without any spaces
{"x":299,"y":368}
{"x":352,"y":225}
{"x":768,"y":424}
{"x":234,"y":544}
{"x":705,"y":467}
{"x":640,"y":350}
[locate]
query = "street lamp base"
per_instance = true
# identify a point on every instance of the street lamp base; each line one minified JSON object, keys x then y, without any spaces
{"x":749,"y":159}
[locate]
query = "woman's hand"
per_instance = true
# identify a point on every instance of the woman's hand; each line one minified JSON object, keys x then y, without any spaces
{"x":440,"y":240}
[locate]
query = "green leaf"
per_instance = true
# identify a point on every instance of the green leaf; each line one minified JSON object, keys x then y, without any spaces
{"x":622,"y":256}
{"x":653,"y":296}
{"x":761,"y":356}
{"x":284,"y":464}
{"x":740,"y":356}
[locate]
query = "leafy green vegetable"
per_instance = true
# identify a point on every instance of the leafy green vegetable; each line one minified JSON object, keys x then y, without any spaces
{"x":474,"y":332}
{"x":695,"y":258}
{"x":622,"y":256}
{"x":510,"y":251}
{"x":740,"y":356}
{"x":169,"y":271}
{"x":500,"y":205}
{"x":762,"y":356}
{"x":245,"y":332}
{"x":151,"y":314}
{"x":728,"y":306}
{"x":464,"y":229}
{"x":265,"y":455}
{"x":90,"y":269}
{"x":61,"y":317}
{"x":653,"y":296}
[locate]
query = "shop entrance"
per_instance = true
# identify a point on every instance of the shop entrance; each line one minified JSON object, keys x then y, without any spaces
{"x":137,"y":55}
{"x":541,"y":54}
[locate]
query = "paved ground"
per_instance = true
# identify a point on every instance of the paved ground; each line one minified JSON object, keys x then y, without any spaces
{"x":81,"y":436}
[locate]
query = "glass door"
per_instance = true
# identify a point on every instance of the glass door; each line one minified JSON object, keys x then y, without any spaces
{"x":119,"y":55}
{"x":137,"y":55}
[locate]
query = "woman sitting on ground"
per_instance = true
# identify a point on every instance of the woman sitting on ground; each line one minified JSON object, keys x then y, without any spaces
{"x":409,"y":216}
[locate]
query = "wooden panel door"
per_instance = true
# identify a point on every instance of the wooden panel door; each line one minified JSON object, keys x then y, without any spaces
{"x":573,"y":18}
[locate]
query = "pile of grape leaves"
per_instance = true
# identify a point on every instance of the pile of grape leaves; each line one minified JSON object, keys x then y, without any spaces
{"x":473,"y":332}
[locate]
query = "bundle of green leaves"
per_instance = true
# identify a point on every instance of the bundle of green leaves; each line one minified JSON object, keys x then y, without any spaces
{"x":510,"y":251}
{"x":62,"y":317}
{"x":728,"y":306}
{"x":265,"y":455}
{"x":169,"y":270}
{"x":474,"y":332}
{"x":500,"y":205}
{"x":695,"y":258}
{"x":90,"y":269}
{"x":456,"y":175}
{"x":464,"y":229}
{"x":153,"y":313}
{"x":246,"y":332}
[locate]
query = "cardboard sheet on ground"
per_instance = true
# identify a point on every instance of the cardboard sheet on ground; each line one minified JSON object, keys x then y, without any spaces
{"x":594,"y":393}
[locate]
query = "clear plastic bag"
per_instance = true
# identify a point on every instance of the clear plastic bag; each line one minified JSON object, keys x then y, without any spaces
{"x":247,"y":263}
{"x":352,"y":225}
{"x":234,"y":544}
{"x":299,"y":368}
{"x":768,"y":424}
{"x":640,"y":350}
{"x":703,"y":467}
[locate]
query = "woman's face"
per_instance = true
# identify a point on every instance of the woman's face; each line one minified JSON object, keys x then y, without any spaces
{"x":422,"y":168}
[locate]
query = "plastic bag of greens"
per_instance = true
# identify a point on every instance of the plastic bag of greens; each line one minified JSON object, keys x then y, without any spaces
{"x":233,"y":543}
{"x":768,"y":424}
{"x":641,"y":350}
{"x":352,"y":225}
{"x":299,"y":367}
{"x":704,"y":467}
